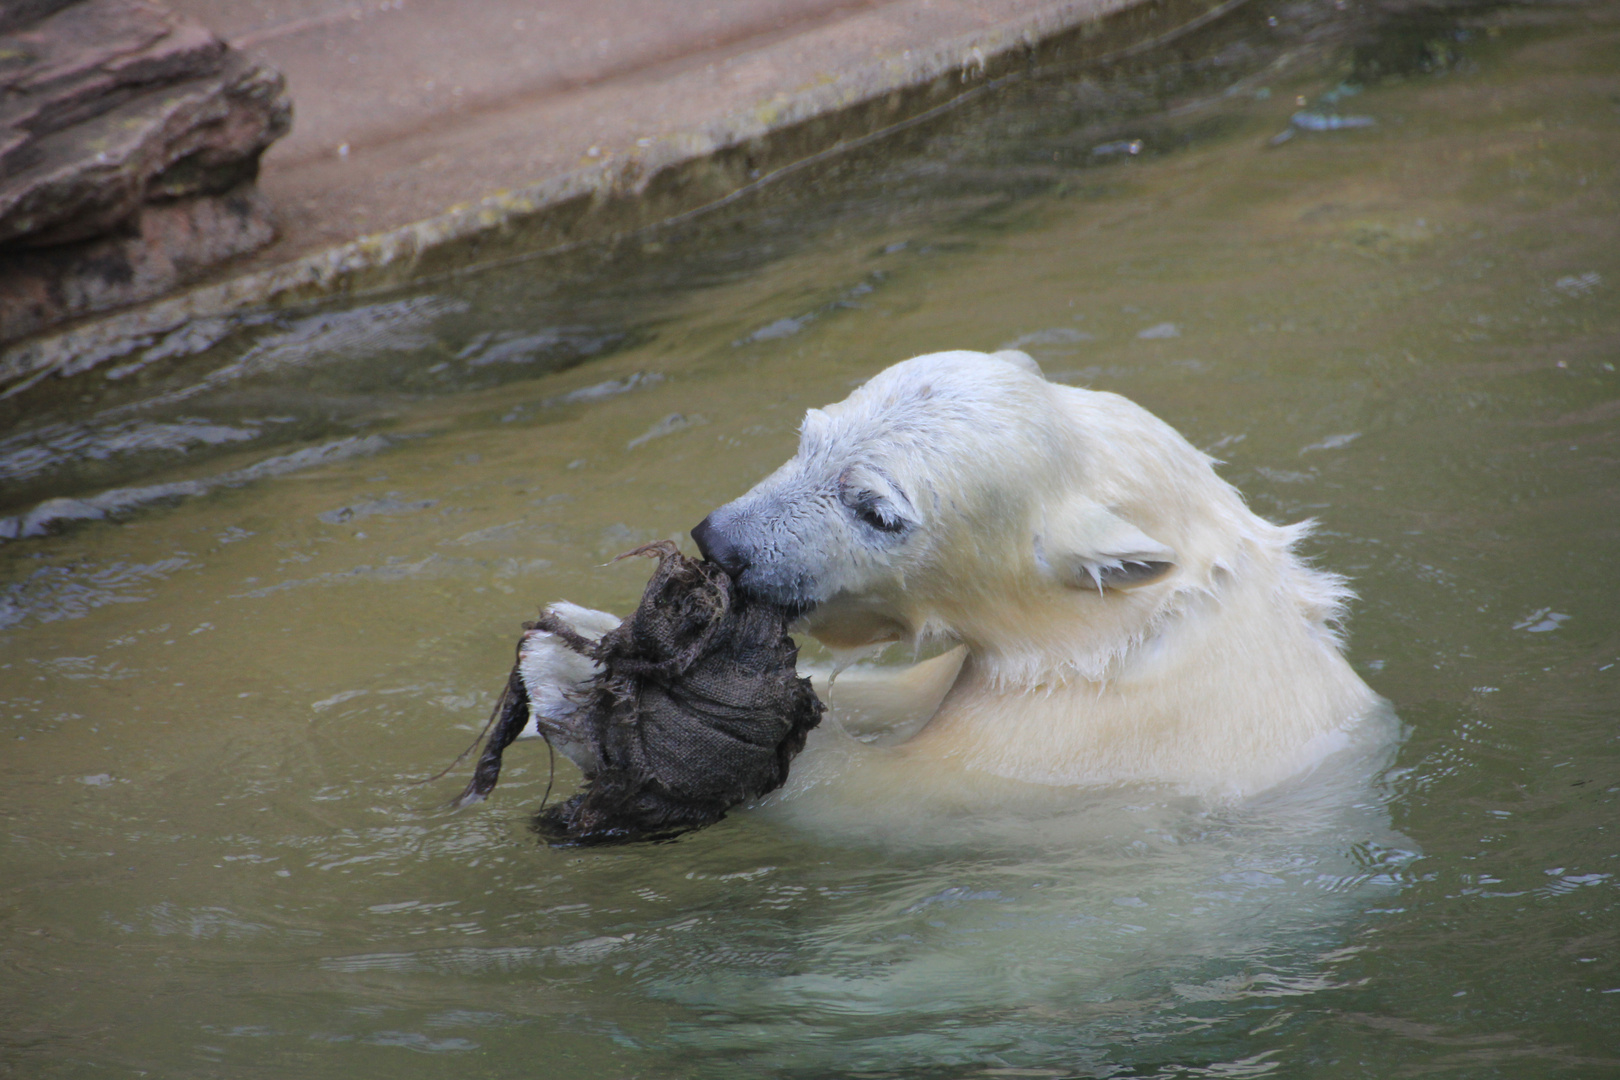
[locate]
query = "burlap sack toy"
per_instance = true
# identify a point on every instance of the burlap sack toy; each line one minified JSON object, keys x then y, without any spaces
{"x":697,"y":707}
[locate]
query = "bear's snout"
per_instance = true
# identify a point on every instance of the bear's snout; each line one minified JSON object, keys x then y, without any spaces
{"x":716,"y":548}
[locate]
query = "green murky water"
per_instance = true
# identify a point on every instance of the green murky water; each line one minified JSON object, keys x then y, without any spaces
{"x":297,"y":553}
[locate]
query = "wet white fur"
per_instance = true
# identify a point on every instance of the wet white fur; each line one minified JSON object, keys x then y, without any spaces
{"x":1220,"y":677}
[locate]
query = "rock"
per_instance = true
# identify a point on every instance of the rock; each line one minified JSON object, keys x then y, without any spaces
{"x":19,"y":13}
{"x":167,"y":243}
{"x":130,"y":139}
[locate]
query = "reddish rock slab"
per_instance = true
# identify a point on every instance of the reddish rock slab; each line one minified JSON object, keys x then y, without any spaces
{"x":114,"y":113}
{"x":163,"y":244}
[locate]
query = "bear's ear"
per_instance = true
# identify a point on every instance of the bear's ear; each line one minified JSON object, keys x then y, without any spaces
{"x":1085,"y":546}
{"x":1021,"y":359}
{"x":815,"y":431}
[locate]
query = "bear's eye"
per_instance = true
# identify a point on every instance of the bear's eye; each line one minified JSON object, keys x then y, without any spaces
{"x":874,"y":511}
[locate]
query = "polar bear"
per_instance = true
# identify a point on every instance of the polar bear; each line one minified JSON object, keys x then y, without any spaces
{"x":1115,"y":612}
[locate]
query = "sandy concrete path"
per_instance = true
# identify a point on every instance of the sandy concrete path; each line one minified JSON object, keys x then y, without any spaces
{"x":406,"y":107}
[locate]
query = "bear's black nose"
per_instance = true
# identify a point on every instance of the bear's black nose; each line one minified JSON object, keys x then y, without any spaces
{"x":717,"y":549}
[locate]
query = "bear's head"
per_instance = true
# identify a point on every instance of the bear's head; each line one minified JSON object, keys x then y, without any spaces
{"x":962,"y":496}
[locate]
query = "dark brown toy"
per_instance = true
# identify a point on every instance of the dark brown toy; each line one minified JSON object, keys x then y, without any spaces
{"x":698,"y":707}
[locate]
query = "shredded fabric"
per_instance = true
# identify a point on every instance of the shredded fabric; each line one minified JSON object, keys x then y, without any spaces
{"x":698,"y":707}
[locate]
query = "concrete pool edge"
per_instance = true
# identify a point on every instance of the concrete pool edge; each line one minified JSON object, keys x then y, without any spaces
{"x":641,"y":188}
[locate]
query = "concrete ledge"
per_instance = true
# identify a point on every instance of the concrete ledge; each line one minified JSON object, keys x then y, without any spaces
{"x":653,"y":181}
